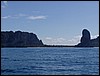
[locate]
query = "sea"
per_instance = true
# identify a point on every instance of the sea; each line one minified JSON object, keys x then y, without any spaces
{"x":50,"y":61}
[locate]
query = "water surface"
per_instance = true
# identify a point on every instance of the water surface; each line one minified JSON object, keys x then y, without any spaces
{"x":50,"y":61}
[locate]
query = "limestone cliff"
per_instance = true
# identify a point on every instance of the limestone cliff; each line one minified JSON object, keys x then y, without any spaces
{"x":86,"y":40}
{"x":19,"y":39}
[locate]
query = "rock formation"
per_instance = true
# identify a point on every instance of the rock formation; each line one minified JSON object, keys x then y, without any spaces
{"x":25,"y":39}
{"x":85,"y":36}
{"x":94,"y":42}
{"x":19,"y":39}
{"x":86,"y":40}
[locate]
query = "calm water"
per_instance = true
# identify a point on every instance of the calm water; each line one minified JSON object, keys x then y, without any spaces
{"x":52,"y":61}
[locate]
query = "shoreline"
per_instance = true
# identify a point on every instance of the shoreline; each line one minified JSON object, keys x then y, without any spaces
{"x":47,"y":46}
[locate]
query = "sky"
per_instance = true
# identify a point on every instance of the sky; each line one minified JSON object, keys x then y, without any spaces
{"x":54,"y":22}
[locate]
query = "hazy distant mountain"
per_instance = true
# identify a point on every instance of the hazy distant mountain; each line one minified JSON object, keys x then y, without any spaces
{"x":19,"y":39}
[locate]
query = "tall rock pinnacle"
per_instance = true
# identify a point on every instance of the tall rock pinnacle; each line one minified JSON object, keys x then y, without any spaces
{"x":85,"y":36}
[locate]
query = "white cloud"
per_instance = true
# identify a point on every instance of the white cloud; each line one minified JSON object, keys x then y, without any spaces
{"x":75,"y":40}
{"x":5,"y":2}
{"x":36,"y":17}
{"x":12,"y":17}
{"x":54,"y":41}
{"x":48,"y":38}
{"x":62,"y":41}
{"x":24,"y":16}
{"x":94,"y":36}
{"x":5,"y":17}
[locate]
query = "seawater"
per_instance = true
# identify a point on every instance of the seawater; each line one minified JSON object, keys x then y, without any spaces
{"x":50,"y":61}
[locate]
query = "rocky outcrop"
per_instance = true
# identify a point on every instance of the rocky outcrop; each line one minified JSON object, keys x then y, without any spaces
{"x":19,"y":39}
{"x":85,"y":36}
{"x":86,"y":40}
{"x":94,"y":42}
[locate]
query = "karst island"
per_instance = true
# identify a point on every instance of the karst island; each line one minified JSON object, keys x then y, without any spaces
{"x":25,"y":39}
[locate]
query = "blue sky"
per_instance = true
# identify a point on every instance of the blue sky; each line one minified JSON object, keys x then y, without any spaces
{"x":55,"y":22}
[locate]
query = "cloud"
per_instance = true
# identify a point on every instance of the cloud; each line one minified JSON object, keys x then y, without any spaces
{"x":5,"y":17}
{"x":48,"y":38}
{"x":36,"y":17}
{"x":55,"y":41}
{"x":5,"y":2}
{"x":94,"y":36}
{"x":12,"y":17}
{"x":75,"y":40}
{"x":62,"y":41}
{"x":24,"y":16}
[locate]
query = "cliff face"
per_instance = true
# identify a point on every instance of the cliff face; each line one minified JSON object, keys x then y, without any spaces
{"x":86,"y":40}
{"x":19,"y":39}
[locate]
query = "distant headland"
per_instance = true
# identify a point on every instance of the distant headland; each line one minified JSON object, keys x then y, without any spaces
{"x":25,"y":39}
